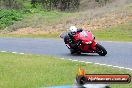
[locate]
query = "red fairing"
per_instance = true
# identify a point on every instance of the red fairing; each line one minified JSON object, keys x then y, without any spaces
{"x":85,"y":43}
{"x":85,"y":36}
{"x":94,"y":45}
{"x":88,"y":44}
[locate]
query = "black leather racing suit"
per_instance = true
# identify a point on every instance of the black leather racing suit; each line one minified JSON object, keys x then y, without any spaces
{"x":69,"y":39}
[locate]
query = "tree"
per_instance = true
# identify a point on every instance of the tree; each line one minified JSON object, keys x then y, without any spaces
{"x":33,"y":2}
{"x":62,"y":5}
{"x":102,"y":2}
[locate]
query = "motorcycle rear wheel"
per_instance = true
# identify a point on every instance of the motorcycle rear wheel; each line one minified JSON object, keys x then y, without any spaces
{"x":101,"y":50}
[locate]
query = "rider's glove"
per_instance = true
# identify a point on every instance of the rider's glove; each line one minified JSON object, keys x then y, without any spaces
{"x":79,"y":42}
{"x":75,"y":46}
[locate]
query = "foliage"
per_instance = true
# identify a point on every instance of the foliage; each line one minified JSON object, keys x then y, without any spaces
{"x":102,"y":2}
{"x":8,"y":17}
{"x":121,"y":32}
{"x":11,"y":4}
{"x":62,"y":5}
{"x":37,"y":71}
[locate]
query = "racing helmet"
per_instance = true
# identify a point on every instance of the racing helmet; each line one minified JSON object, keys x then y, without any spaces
{"x":73,"y":30}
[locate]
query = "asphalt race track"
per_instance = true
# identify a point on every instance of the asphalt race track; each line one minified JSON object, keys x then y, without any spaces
{"x":119,"y":53}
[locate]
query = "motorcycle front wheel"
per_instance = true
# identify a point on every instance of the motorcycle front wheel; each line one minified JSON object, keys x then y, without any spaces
{"x":101,"y":50}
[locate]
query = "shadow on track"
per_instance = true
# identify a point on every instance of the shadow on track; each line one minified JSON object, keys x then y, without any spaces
{"x":83,"y":55}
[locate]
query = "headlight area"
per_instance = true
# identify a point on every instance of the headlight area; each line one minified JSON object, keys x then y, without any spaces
{"x":90,"y":42}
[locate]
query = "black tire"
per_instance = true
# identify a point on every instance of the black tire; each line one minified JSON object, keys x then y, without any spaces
{"x":101,"y":50}
{"x":72,"y":51}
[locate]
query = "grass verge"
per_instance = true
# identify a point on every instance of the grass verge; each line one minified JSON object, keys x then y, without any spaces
{"x":117,"y":33}
{"x":33,"y":71}
{"x":55,"y":35}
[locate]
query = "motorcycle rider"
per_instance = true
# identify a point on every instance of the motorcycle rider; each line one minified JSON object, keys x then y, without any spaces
{"x":69,"y":38}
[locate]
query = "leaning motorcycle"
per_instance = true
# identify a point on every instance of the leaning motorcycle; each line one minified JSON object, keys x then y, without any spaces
{"x":86,"y":43}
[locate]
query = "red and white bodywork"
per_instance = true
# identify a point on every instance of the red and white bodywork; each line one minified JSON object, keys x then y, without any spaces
{"x":87,"y":43}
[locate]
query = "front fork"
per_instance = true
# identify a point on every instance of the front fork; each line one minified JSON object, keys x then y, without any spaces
{"x":94,"y":43}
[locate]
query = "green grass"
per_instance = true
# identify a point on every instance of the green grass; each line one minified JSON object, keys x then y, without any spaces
{"x":56,"y":22}
{"x":8,"y":17}
{"x":55,"y":35}
{"x":34,"y":71}
{"x":118,"y":33}
{"x":41,"y":19}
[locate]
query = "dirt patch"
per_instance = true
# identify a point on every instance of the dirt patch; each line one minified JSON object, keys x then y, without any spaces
{"x":90,"y":20}
{"x":95,"y":24}
{"x":29,"y":30}
{"x":106,"y":22}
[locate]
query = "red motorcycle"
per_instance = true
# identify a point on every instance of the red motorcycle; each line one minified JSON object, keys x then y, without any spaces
{"x":86,"y":43}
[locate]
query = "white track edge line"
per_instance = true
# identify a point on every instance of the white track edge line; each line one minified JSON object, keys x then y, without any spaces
{"x":102,"y":64}
{"x":87,"y":62}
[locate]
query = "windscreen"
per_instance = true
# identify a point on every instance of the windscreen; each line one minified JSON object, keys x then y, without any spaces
{"x":84,"y":34}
